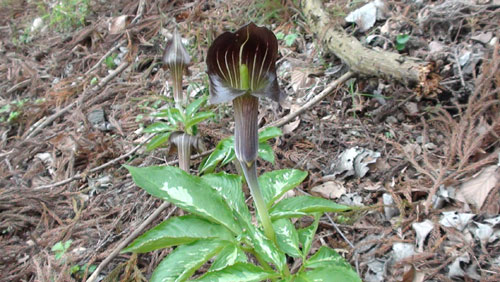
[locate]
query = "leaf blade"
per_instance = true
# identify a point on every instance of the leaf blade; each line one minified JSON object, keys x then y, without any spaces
{"x":186,"y":191}
{"x":177,"y":231}
{"x":230,"y":255}
{"x":306,"y":235}
{"x":303,"y":205}
{"x":287,"y":237}
{"x":276,"y":183}
{"x":326,"y":257}
{"x":266,"y":248}
{"x":241,"y":272}
{"x":266,"y":152}
{"x":184,"y":260}
{"x":269,"y":133}
{"x":158,"y":140}
{"x":229,"y":187}
{"x":159,"y":127}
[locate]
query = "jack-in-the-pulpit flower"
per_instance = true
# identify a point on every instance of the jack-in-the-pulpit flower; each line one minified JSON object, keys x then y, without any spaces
{"x":243,"y":62}
{"x":241,"y":68}
{"x":177,"y":59}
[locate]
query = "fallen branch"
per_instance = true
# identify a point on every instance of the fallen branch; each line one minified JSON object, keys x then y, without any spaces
{"x":388,"y":65}
{"x":286,"y":119}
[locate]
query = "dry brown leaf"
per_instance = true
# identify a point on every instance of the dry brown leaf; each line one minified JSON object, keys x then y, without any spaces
{"x":290,"y":127}
{"x":300,"y":79}
{"x":476,"y":190}
{"x":329,"y":190}
{"x":119,"y":24}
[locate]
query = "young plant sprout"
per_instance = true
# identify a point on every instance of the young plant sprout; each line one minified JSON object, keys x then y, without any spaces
{"x":176,"y":58}
{"x":242,"y":68}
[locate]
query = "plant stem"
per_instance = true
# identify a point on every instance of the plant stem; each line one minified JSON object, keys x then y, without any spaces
{"x":184,"y":151}
{"x":250,"y":172}
{"x":179,"y":98}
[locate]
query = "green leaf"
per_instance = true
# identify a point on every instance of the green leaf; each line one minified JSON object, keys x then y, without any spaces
{"x":290,"y":39}
{"x":186,"y":191}
{"x":195,"y":105}
{"x":209,"y":164}
{"x":330,"y":273}
{"x":230,"y":255}
{"x":269,"y":133}
{"x":306,"y":235}
{"x":231,"y":154}
{"x":239,"y":272}
{"x":266,"y":152}
{"x":186,"y":259}
{"x":401,"y":41}
{"x":197,"y":118}
{"x":276,"y":183}
{"x":159,"y":127}
{"x":280,"y":35}
{"x":303,"y":205}
{"x":402,"y":38}
{"x":326,"y":257}
{"x":222,"y":150}
{"x":178,"y":231}
{"x":158,"y":140}
{"x":173,"y":115}
{"x":266,"y":248}
{"x":287,"y":237}
{"x":229,"y":187}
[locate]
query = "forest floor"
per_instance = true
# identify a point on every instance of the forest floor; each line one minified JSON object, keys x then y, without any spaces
{"x":428,"y":163}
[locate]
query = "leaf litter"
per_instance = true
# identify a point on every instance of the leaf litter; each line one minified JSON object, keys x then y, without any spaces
{"x":451,"y":185}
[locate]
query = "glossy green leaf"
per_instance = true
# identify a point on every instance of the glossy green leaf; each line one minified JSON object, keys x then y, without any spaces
{"x":287,"y":237}
{"x":266,"y":248}
{"x":159,"y":127}
{"x":186,"y":191}
{"x":266,"y":152}
{"x":303,"y":205}
{"x":306,"y":235}
{"x":330,"y":273}
{"x":230,"y":255}
{"x":197,"y":118}
{"x":229,"y":187}
{"x":276,"y":183}
{"x":186,"y":259}
{"x":230,"y":155}
{"x":269,"y":133}
{"x":209,"y":164}
{"x":220,"y":153}
{"x":326,"y":257}
{"x":239,"y":272}
{"x":177,"y":231}
{"x":158,"y":140}
{"x":194,"y":106}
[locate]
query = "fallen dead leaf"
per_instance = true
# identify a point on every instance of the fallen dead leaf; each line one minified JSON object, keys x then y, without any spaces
{"x":366,"y":16}
{"x":300,"y":79}
{"x":476,"y":190}
{"x":119,"y":24}
{"x":329,"y":190}
{"x":290,"y":127}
